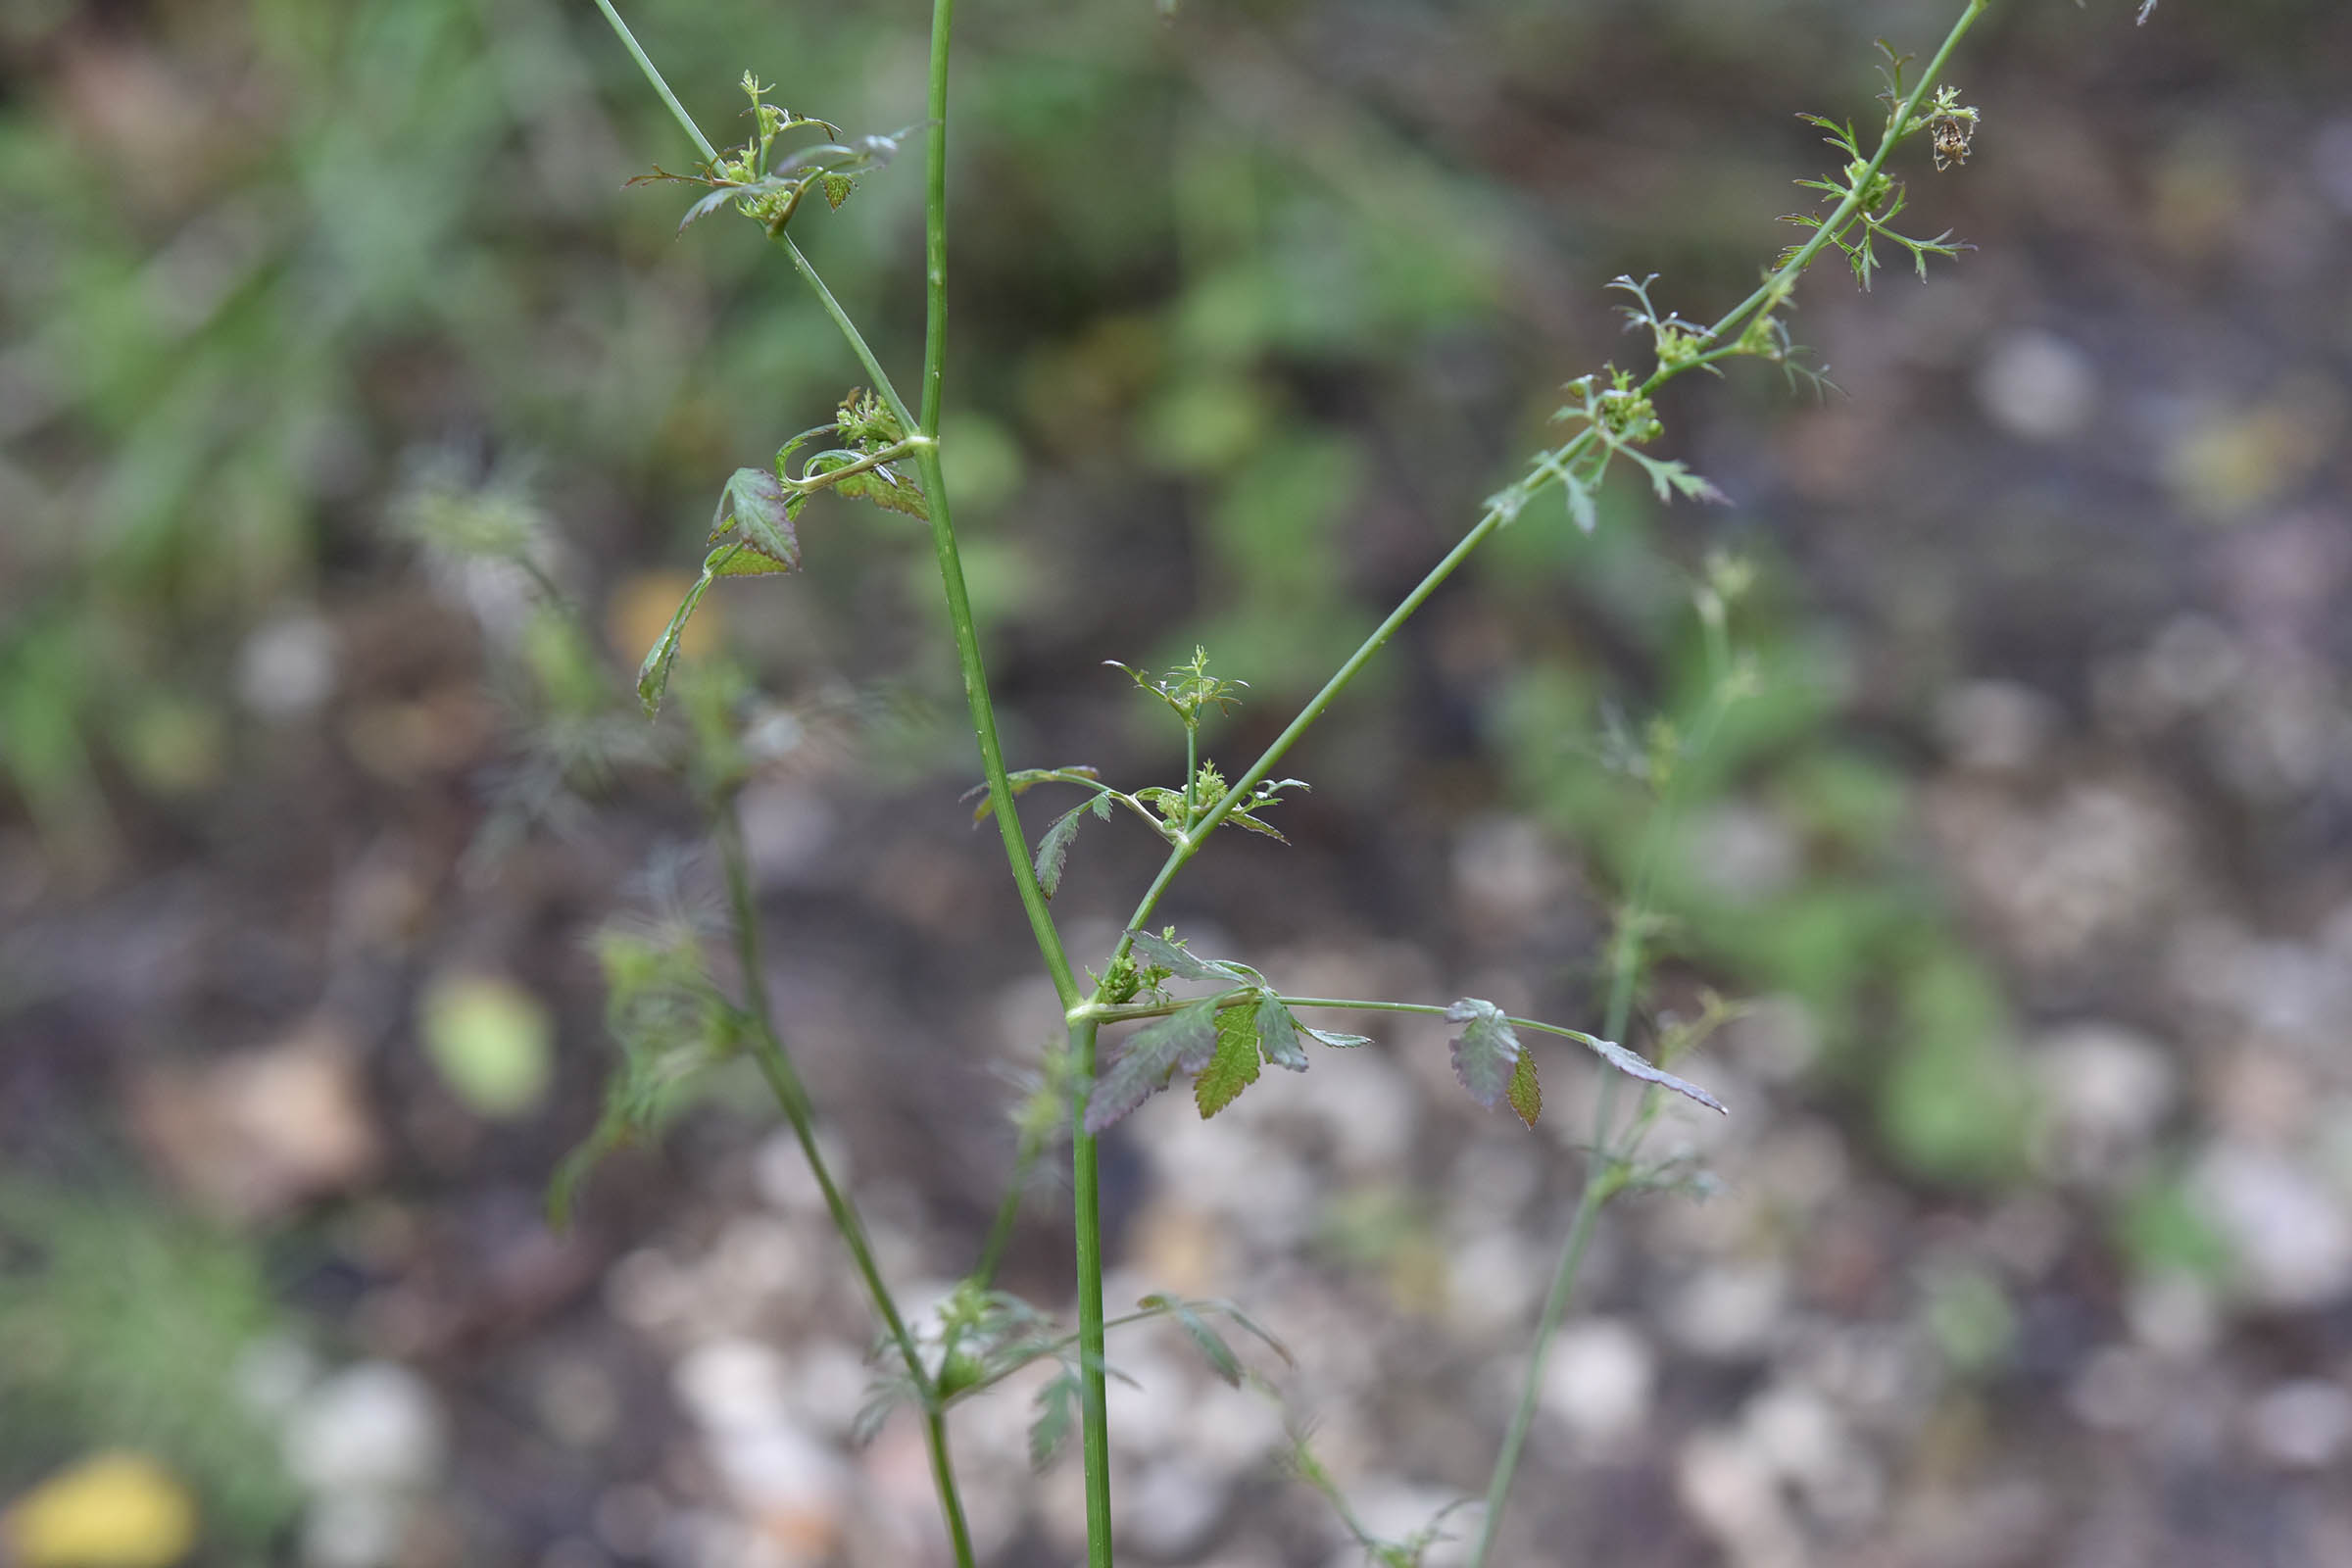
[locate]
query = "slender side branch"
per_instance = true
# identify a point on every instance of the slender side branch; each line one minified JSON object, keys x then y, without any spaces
{"x":791,"y":1095}
{"x":849,"y":330}
{"x":694,"y":133}
{"x":653,"y":74}
{"x":1238,"y":792}
{"x":1552,"y":465}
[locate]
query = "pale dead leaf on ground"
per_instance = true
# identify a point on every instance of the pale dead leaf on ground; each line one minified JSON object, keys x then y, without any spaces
{"x":254,"y":1134}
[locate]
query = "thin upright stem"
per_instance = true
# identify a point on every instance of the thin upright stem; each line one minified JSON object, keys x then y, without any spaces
{"x":1191,"y":770}
{"x":999,"y":1232}
{"x":1085,"y":1171}
{"x":1598,"y":1188}
{"x":1094,"y":1394}
{"x":1605,"y":1165}
{"x":791,"y":1095}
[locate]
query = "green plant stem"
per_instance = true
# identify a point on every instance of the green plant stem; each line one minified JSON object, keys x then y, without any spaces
{"x":1094,"y":1396}
{"x":1008,"y":1210}
{"x":1426,"y":1010}
{"x":653,"y":74}
{"x":1000,"y":1232}
{"x":1189,"y":843}
{"x":1192,"y":770}
{"x":801,"y":263}
{"x":1777,"y":284}
{"x":829,"y":477}
{"x":784,"y":1081}
{"x":1605,"y":1172}
{"x":849,"y":329}
{"x":1605,"y":1165}
{"x":1600,"y":1184}
{"x":1085,"y":1168}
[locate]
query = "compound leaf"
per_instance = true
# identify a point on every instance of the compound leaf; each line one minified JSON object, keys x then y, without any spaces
{"x":1486,"y":1054}
{"x":1186,"y":1039}
{"x":1234,"y":1067}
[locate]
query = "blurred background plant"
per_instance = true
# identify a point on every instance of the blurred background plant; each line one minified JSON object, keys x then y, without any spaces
{"x":2028,"y":852}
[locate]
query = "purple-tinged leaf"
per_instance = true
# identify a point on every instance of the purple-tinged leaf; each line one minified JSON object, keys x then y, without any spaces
{"x":1486,"y":1051}
{"x":1234,"y":1067}
{"x":1162,"y":953}
{"x":1625,"y":1062}
{"x":712,"y":203}
{"x":1186,"y":1039}
{"x":754,"y":504}
{"x":1171,"y":955}
{"x":1278,"y":1036}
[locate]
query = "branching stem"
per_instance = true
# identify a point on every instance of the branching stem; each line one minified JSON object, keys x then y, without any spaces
{"x":1607,"y":1171}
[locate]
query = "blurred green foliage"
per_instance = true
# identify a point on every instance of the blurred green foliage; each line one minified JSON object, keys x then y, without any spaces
{"x":1247,"y":339}
{"x":124,"y":1326}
